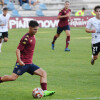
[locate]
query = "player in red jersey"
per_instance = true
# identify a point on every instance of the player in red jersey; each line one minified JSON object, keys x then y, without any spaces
{"x":24,"y":62}
{"x":64,"y":18}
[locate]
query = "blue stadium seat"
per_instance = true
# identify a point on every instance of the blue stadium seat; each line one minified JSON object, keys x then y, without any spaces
{"x":6,"y":1}
{"x":42,"y":6}
{"x":15,"y":13}
{"x":26,"y":6}
{"x":10,"y":6}
{"x":39,"y":13}
{"x":0,"y":12}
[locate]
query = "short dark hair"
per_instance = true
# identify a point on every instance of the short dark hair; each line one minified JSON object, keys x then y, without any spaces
{"x":33,"y":23}
{"x":5,"y":9}
{"x":83,"y":8}
{"x":96,"y":7}
{"x":66,"y":1}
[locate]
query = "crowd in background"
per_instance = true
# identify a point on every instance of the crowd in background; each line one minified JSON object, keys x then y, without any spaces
{"x":21,"y":2}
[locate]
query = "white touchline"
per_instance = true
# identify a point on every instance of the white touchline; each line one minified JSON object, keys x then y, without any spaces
{"x":88,"y":98}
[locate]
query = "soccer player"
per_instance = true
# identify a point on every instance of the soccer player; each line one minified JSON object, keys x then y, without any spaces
{"x":93,"y":26}
{"x":24,"y":63}
{"x":64,"y":18}
{"x":4,"y":18}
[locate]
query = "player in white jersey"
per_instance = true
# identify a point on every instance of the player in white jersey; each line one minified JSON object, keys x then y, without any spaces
{"x":93,"y":26}
{"x":4,"y":18}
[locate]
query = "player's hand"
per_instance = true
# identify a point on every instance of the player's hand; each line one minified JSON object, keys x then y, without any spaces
{"x":69,"y":19}
{"x":21,"y":63}
{"x":93,"y":31}
{"x":67,"y":15}
{"x":2,"y":24}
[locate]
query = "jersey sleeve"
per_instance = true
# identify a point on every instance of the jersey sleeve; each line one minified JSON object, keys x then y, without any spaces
{"x":69,"y":10}
{"x":23,"y":43}
{"x":89,"y":24}
{"x":60,"y":13}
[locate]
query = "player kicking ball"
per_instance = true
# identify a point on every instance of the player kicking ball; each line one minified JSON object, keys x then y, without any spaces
{"x":63,"y":25}
{"x":93,"y":26}
{"x":24,"y":62}
{"x":4,"y":18}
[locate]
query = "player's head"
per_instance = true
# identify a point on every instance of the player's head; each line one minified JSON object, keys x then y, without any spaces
{"x":67,"y":4}
{"x":97,"y":10}
{"x":5,"y":11}
{"x":33,"y":27}
{"x":83,"y":9}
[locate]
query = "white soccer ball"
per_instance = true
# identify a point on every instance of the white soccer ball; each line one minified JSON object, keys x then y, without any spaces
{"x":37,"y":93}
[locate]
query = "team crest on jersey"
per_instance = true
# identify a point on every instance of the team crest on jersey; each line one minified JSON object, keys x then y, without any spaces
{"x":30,"y":40}
{"x":27,"y":36}
{"x":26,"y":39}
{"x":24,"y":42}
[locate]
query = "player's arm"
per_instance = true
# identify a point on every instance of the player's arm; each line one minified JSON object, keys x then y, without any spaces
{"x":21,"y":63}
{"x":90,"y":31}
{"x":63,"y":16}
{"x":20,"y":48}
{"x":70,"y":16}
{"x":88,"y":27}
{"x":2,"y":25}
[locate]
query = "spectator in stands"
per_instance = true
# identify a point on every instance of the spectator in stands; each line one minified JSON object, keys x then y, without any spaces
{"x":93,"y":13}
{"x":21,"y":2}
{"x":2,"y":3}
{"x":33,"y":2}
{"x":80,"y":12}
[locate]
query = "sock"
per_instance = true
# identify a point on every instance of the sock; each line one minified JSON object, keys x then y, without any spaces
{"x":0,"y":46}
{"x":67,"y":41}
{"x":0,"y":80}
{"x":54,"y":39}
{"x":44,"y":86}
{"x":2,"y":40}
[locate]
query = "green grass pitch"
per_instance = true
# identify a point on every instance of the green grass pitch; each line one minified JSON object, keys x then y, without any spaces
{"x":70,"y":74}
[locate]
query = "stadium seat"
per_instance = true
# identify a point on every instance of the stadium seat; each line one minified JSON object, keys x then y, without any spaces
{"x":10,"y":6}
{"x":42,"y":6}
{"x":26,"y":6}
{"x":0,"y":12}
{"x":39,"y":13}
{"x":15,"y":13}
{"x":6,"y":1}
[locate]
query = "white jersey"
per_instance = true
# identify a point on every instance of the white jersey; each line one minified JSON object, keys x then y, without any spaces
{"x":94,"y":23}
{"x":4,"y":20}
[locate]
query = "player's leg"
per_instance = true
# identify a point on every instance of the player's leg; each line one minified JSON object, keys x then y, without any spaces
{"x":0,"y":44}
{"x":5,"y":39}
{"x":59,"y":30}
{"x":5,"y":78}
{"x":5,"y":36}
{"x":95,"y":52}
{"x":34,"y":69}
{"x":93,"y":59}
{"x":43,"y":82}
{"x":43,"y":77}
{"x":67,"y":31}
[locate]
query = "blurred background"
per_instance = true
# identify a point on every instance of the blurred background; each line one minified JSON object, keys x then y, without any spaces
{"x":29,"y":8}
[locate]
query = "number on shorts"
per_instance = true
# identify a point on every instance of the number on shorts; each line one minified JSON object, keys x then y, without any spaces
{"x":95,"y":49}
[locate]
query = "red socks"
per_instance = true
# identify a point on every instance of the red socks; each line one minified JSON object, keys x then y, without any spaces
{"x":67,"y":41}
{"x":44,"y":86}
{"x":54,"y":39}
{"x":0,"y":80}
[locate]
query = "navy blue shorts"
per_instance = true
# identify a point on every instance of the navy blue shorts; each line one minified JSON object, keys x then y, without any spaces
{"x":60,"y":29}
{"x":30,"y":68}
{"x":3,"y":35}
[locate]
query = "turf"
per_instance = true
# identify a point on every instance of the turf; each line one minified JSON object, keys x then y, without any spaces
{"x":70,"y":74}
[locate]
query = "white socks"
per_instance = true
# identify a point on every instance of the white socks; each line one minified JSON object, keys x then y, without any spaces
{"x":1,"y":45}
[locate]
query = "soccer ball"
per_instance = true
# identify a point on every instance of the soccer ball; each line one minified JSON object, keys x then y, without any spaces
{"x":37,"y":93}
